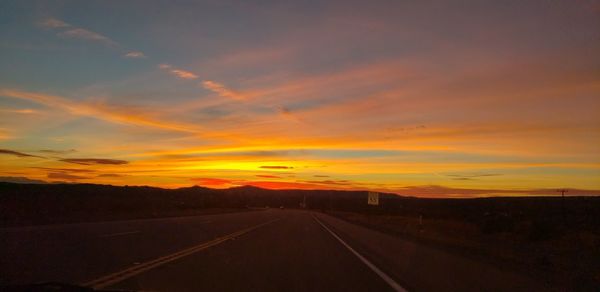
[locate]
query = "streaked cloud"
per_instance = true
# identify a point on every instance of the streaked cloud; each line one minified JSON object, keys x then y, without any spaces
{"x":54,"y":169}
{"x":212,"y":181}
{"x":92,"y":161}
{"x":66,"y":30}
{"x":135,"y":54}
{"x":221,"y":90}
{"x":276,"y":167}
{"x":65,"y":176}
{"x":183,"y":74}
{"x":52,"y":151}
{"x":465,"y":177}
{"x":18,"y":154}
{"x":69,"y":31}
{"x":53,"y":23}
{"x":88,"y":35}
{"x":25,"y":111}
{"x":115,"y":114}
{"x":330,"y":182}
{"x":110,"y":175}
{"x":267,"y":176}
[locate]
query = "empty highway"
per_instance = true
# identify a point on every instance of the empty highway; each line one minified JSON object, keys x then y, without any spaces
{"x":270,"y":250}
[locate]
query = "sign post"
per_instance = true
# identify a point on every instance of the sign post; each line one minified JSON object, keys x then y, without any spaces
{"x":563,"y":211}
{"x":372,"y":200}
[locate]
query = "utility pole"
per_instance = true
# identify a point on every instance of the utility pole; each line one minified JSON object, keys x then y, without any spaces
{"x":564,"y":214}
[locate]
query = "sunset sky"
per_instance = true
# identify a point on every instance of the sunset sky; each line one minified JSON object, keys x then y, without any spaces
{"x":423,"y":98}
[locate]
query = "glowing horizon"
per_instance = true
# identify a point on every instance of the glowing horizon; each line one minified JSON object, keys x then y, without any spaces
{"x":423,"y":99}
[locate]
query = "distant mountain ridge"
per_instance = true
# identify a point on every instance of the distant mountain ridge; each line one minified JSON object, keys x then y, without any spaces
{"x":27,"y":204}
{"x":20,"y":180}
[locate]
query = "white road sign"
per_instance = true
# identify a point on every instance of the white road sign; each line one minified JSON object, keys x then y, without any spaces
{"x":373,"y":198}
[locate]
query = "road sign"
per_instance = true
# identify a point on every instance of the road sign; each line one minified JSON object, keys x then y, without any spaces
{"x":373,"y":198}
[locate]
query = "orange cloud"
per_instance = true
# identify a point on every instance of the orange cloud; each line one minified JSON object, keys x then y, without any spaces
{"x":65,"y":176}
{"x":222,"y":91}
{"x":20,"y":111}
{"x":110,"y":175}
{"x":276,"y":167}
{"x":277,"y":185}
{"x":100,"y":111}
{"x":183,"y":74}
{"x":267,"y":176}
{"x":330,"y":182}
{"x":65,"y":169}
{"x":92,"y":161}
{"x":213,"y":181}
{"x":51,"y":151}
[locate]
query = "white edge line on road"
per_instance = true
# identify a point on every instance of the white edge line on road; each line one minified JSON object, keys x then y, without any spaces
{"x":127,"y":273}
{"x":375,"y":269}
{"x":120,"y":233}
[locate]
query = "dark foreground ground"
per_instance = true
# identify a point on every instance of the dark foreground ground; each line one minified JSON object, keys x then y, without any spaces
{"x":565,"y":255}
{"x":44,"y":237}
{"x":288,"y":250}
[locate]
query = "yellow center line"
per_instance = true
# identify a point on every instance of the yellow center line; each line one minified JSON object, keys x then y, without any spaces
{"x":119,"y":276}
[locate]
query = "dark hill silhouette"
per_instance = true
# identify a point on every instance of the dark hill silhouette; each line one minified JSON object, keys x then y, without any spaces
{"x":26,"y":204}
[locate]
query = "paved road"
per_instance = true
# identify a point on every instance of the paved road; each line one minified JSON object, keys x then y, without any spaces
{"x":252,"y":251}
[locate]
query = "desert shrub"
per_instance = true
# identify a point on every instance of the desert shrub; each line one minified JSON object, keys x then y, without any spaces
{"x":543,"y":229}
{"x":497,"y":222}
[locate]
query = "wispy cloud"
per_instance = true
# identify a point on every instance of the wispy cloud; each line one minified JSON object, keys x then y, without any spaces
{"x":65,"y":176}
{"x":330,"y":182}
{"x":92,"y":161}
{"x":135,"y":54}
{"x":221,"y":90}
{"x":212,"y":181}
{"x":51,"y":151}
{"x":110,"y":175}
{"x":100,"y":111}
{"x":282,"y":185}
{"x":276,"y":167}
{"x":25,"y":111}
{"x":66,"y":30}
{"x":53,"y":23}
{"x":84,"y":34}
{"x":18,"y":154}
{"x":54,"y":169}
{"x":183,"y":74}
{"x":471,"y":176}
{"x":267,"y":176}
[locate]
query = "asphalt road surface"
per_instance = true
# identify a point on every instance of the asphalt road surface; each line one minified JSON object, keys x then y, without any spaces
{"x":273,"y":250}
